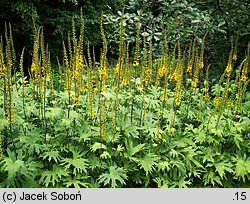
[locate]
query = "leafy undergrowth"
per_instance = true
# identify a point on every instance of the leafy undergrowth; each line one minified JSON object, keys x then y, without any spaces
{"x":153,"y":145}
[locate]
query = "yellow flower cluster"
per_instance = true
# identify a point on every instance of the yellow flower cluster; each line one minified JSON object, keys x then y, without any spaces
{"x":33,"y":67}
{"x":229,"y":69}
{"x":78,"y":65}
{"x":194,"y":82}
{"x":234,"y":58}
{"x":124,"y":81}
{"x":103,"y":73}
{"x":135,"y":63}
{"x":177,"y":97}
{"x":190,"y":67}
{"x":10,"y":113}
{"x":206,"y":92}
{"x":162,"y":71}
{"x":201,"y":64}
{"x":117,"y":68}
{"x":229,"y":103}
{"x":244,"y":72}
{"x":164,"y":96}
{"x":3,"y":69}
{"x":216,"y":102}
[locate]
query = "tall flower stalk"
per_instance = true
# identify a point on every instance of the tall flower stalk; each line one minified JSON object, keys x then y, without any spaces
{"x":8,"y":84}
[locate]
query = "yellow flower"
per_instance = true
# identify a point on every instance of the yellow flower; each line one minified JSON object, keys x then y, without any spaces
{"x":201,"y":64}
{"x":76,"y":74}
{"x":194,"y":83}
{"x":135,"y":63}
{"x":79,"y":61}
{"x":244,"y":74}
{"x":205,"y":91}
{"x":171,"y":77}
{"x":243,"y":77}
{"x":216,"y":102}
{"x":229,"y":69}
{"x":175,"y":75}
{"x":3,"y":68}
{"x":234,"y":58}
{"x":117,"y":68}
{"x":103,"y":73}
{"x":189,"y":68}
{"x":164,"y":97}
{"x":82,"y":89}
{"x":177,"y":98}
{"x":229,"y":103}
{"x":33,"y":67}
{"x":124,"y":82}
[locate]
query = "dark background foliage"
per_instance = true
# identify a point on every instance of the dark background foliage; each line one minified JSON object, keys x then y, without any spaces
{"x":181,"y":19}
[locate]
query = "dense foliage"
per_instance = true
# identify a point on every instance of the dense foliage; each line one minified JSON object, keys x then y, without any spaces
{"x":149,"y":121}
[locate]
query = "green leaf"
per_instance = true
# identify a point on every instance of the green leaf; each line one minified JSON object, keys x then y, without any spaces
{"x":241,"y":169}
{"x":163,"y":165}
{"x":79,"y":164}
{"x":32,"y":168}
{"x":66,"y":123}
{"x":237,"y":140}
{"x":75,"y":182}
{"x":115,"y":174}
{"x":12,"y":167}
{"x":97,"y":146}
{"x":247,"y":164}
{"x":105,"y":155}
{"x":209,"y":154}
{"x":131,"y":150}
{"x":54,"y":176}
{"x":181,"y":183}
{"x":223,"y":167}
{"x":211,"y":178}
{"x":84,"y":136}
{"x":96,"y":164}
{"x":54,"y":154}
{"x":54,"y":113}
{"x":147,"y":163}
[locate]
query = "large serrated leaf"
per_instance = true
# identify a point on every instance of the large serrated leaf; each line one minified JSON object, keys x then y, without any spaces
{"x":147,"y":163}
{"x":79,"y":165}
{"x":241,"y":169}
{"x":54,"y":154}
{"x":54,"y":176}
{"x":114,"y":175}
{"x":12,"y":167}
{"x":96,"y":146}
